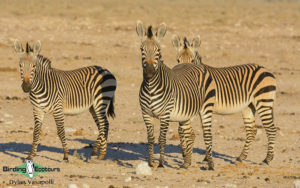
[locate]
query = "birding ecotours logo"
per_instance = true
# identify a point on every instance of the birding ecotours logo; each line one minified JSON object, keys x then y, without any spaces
{"x":30,"y":169}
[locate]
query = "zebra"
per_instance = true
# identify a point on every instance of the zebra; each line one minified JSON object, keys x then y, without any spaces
{"x":247,"y":88}
{"x":61,"y":93}
{"x":173,"y":95}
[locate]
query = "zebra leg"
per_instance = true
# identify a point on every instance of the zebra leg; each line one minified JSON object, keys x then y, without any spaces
{"x":150,"y":137}
{"x":59,"y":119}
{"x":206,"y":118}
{"x":38,"y":118}
{"x":164,"y":125}
{"x":249,"y":121}
{"x":95,"y":147}
{"x":187,"y":138}
{"x":99,"y":115}
{"x":266,"y":116}
{"x":182,"y":141}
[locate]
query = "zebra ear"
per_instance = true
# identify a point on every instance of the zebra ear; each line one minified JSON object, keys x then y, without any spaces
{"x":161,"y":31}
{"x":176,"y":42}
{"x":18,"y":46}
{"x":196,"y":43}
{"x":37,"y":48}
{"x":141,"y":30}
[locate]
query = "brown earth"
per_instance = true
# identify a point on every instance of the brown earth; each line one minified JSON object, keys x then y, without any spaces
{"x":81,"y":33}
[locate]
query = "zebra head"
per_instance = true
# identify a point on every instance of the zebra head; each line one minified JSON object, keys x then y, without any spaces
{"x":27,"y":62}
{"x":150,"y":47}
{"x":186,"y":52}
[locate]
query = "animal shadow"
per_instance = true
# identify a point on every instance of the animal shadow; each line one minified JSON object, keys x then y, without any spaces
{"x":122,"y":152}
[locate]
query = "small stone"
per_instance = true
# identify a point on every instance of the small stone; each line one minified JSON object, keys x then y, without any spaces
{"x":267,"y":180}
{"x":143,"y":169}
{"x":297,"y":184}
{"x":69,"y":129}
{"x":72,"y":186}
{"x":7,"y":115}
{"x":84,"y":185}
{"x":128,"y":179}
{"x":230,"y":185}
{"x":78,"y":132}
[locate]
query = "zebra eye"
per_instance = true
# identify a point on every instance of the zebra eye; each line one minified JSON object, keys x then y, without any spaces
{"x":144,"y":65}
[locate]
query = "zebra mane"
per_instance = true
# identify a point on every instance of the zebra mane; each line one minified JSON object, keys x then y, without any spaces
{"x":44,"y":61}
{"x":198,"y":57}
{"x":185,"y":43}
{"x":149,"y":32}
{"x":28,"y":48}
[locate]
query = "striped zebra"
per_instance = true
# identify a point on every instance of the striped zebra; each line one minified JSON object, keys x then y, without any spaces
{"x":66,"y":92}
{"x":248,"y":88}
{"x":176,"y":94}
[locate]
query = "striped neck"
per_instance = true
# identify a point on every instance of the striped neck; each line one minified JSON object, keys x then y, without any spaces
{"x":43,"y":67}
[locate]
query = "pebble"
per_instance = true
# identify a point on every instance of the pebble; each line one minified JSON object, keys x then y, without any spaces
{"x":84,"y":185}
{"x":143,"y":169}
{"x":297,"y":184}
{"x":72,"y":186}
{"x":7,"y":115}
{"x":128,"y":179}
{"x":69,"y":129}
{"x":230,"y":185}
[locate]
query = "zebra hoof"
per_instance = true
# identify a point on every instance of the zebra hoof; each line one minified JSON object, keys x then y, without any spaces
{"x":160,"y":165}
{"x":185,"y":166}
{"x":66,"y":160}
{"x":238,"y":159}
{"x":211,"y":166}
{"x":266,"y":162}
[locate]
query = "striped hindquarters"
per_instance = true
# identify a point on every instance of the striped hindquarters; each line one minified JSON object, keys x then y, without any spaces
{"x":238,"y":86}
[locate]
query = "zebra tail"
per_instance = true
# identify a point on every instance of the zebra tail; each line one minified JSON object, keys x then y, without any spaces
{"x":111,"y":108}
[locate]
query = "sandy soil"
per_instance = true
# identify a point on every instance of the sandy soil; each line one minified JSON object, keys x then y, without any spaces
{"x":81,"y":33}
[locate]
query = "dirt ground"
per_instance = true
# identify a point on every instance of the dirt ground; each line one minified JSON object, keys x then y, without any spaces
{"x":81,"y":33}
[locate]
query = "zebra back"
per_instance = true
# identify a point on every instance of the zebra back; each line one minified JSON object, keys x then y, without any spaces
{"x":236,"y":85}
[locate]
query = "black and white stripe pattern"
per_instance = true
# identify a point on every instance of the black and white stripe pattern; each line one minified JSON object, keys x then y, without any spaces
{"x":246,"y":88}
{"x":176,"y":94}
{"x":66,"y":92}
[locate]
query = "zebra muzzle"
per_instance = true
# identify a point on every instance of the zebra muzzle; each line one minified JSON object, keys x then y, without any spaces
{"x":149,"y":71}
{"x":26,"y":87}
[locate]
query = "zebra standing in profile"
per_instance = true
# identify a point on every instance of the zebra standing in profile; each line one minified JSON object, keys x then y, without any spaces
{"x":66,"y":92}
{"x":177,"y":94}
{"x":245,"y":88}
